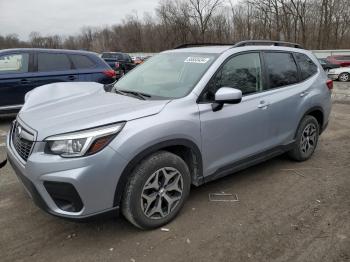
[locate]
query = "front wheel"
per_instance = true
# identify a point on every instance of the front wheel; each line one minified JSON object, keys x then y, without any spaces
{"x":344,"y":77}
{"x":156,"y":190}
{"x":306,"y":139}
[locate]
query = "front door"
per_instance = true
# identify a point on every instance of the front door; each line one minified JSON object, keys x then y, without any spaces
{"x":236,"y":131}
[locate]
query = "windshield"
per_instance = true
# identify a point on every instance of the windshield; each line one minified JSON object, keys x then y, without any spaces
{"x":167,"y":75}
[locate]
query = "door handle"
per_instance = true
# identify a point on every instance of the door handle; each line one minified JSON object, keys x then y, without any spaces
{"x":71,"y":77}
{"x":263,"y":105}
{"x":25,"y":81}
{"x":304,"y":93}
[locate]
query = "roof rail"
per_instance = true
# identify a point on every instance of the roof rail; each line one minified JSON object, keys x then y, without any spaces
{"x":202,"y":44}
{"x":267,"y":42}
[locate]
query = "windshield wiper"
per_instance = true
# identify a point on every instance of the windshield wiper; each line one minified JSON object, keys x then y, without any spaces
{"x":140,"y":95}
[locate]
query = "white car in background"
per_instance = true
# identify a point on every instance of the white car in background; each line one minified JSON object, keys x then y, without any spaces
{"x":342,"y":74}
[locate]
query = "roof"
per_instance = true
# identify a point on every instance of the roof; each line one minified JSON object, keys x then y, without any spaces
{"x":242,"y":45}
{"x":47,"y":50}
{"x":203,"y":49}
{"x":222,"y":49}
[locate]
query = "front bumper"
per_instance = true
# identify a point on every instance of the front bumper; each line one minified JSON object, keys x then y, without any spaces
{"x":93,"y":177}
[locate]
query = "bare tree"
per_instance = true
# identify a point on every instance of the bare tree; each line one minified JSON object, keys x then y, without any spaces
{"x":201,"y":11}
{"x":316,"y":24}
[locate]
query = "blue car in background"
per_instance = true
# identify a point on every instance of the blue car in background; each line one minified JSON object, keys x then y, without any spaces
{"x":22,"y":70}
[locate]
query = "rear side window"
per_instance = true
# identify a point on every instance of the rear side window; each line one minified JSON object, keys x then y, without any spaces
{"x":307,"y":67}
{"x":82,"y":62}
{"x":281,"y":69}
{"x":53,"y":62}
{"x":14,"y":63}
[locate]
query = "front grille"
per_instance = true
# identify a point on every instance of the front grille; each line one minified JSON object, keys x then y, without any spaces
{"x":22,"y":141}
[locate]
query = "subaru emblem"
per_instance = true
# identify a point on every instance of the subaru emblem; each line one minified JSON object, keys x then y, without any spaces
{"x":19,"y":130}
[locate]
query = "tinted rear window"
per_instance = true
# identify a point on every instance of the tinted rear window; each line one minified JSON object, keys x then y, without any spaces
{"x":281,"y":69}
{"x":307,"y":67}
{"x":82,"y":62}
{"x":53,"y":62}
{"x":112,"y":56}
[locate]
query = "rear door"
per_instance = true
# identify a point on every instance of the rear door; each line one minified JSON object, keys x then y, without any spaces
{"x":52,"y":67}
{"x":287,"y":92}
{"x":15,"y":78}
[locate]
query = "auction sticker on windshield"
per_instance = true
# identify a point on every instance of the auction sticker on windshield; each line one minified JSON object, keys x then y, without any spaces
{"x":198,"y":60}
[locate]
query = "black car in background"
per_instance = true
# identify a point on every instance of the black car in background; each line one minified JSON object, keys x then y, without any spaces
{"x":120,"y":62}
{"x":327,"y":65}
{"x":21,"y":70}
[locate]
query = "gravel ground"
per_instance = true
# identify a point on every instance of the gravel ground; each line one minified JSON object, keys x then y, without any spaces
{"x":286,"y":211}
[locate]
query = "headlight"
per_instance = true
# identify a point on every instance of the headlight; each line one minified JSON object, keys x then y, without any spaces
{"x":82,"y":143}
{"x":331,"y":71}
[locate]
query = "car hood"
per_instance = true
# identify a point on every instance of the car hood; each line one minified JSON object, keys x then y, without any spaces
{"x":66,"y":107}
{"x":340,"y":70}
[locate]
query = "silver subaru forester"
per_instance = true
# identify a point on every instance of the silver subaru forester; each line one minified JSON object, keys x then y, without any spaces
{"x":184,"y":117}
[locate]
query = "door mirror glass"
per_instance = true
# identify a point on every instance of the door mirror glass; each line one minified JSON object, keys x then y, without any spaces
{"x":228,"y":95}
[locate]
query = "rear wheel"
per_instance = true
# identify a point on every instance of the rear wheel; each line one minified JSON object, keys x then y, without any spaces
{"x":306,"y":139}
{"x":156,"y":191}
{"x":344,"y":77}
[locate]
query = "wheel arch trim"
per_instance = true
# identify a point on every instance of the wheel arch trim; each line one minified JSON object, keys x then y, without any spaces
{"x":152,"y":149}
{"x":312,"y":109}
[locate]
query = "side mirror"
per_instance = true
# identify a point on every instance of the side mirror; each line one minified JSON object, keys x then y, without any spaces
{"x":226,"y":95}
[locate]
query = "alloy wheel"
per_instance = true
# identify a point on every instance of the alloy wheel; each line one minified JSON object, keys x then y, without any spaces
{"x":308,"y":139}
{"x":161,"y":193}
{"x":344,"y":77}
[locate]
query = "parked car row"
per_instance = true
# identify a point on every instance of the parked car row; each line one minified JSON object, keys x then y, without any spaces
{"x":120,"y":62}
{"x":22,"y":70}
{"x":337,"y":67}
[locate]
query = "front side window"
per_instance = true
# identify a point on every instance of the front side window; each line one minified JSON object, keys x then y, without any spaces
{"x":242,"y":72}
{"x":14,"y":63}
{"x":281,"y":69}
{"x":53,"y":62}
{"x":167,"y":75}
{"x":307,"y":67}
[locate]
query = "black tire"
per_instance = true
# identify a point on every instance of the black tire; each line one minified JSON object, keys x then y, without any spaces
{"x":305,"y":142}
{"x":134,"y":203}
{"x":344,"y":77}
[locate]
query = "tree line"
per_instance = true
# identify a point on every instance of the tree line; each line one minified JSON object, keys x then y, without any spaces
{"x":316,"y":24}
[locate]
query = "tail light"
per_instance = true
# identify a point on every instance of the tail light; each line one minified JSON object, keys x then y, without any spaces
{"x":116,"y":64}
{"x":109,"y":73}
{"x":329,"y":84}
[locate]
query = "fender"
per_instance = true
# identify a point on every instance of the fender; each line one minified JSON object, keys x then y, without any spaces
{"x":152,"y":149}
{"x":315,"y":108}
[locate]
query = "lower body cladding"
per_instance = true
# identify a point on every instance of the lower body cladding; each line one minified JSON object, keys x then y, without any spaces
{"x":74,"y":188}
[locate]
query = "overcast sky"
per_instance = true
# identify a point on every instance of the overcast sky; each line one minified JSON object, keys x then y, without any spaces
{"x":65,"y":17}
